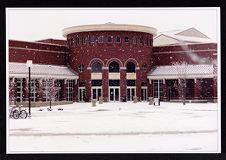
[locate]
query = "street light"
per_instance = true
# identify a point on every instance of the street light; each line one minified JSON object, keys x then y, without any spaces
{"x":29,"y":65}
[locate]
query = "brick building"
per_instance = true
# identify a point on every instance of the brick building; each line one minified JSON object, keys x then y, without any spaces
{"x":116,"y":62}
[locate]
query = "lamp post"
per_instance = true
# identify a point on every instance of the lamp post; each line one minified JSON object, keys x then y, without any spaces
{"x":29,"y":65}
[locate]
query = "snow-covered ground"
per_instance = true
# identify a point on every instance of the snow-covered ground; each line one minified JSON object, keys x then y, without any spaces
{"x":117,"y":127}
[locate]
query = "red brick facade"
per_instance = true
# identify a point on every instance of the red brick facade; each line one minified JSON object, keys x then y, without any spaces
{"x":138,"y":50}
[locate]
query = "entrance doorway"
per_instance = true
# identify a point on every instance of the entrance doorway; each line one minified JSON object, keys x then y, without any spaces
{"x":131,"y":92}
{"x":81,"y":94}
{"x":114,"y":93}
{"x":96,"y":93}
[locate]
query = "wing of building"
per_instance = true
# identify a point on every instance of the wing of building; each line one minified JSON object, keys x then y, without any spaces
{"x":115,"y":62}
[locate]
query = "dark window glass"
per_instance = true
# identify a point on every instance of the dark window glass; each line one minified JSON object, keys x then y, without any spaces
{"x":114,"y":82}
{"x":96,"y":82}
{"x":77,"y":40}
{"x":81,"y":68}
{"x":144,"y":67}
{"x":130,"y":82}
{"x":83,"y":40}
{"x":143,"y":83}
{"x":81,"y":84}
{"x":141,"y":40}
{"x":126,"y":39}
{"x":113,"y":67}
{"x":110,"y":39}
{"x":118,"y":39}
{"x":130,"y":67}
{"x":96,"y":67}
{"x":100,"y":39}
{"x":92,"y":39}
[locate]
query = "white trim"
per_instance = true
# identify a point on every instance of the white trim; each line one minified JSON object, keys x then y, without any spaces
{"x":39,"y":50}
{"x":131,"y":96}
{"x":18,"y":75}
{"x":36,"y":42}
{"x":176,"y":76}
{"x":96,"y":87}
{"x":109,"y":27}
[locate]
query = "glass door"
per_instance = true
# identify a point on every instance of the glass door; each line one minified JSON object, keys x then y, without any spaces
{"x":96,"y":93}
{"x":131,"y":92}
{"x":114,"y":93}
{"x":81,"y":94}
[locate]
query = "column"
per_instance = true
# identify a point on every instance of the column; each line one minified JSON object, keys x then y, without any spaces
{"x":197,"y":89}
{"x":75,"y":91}
{"x":165,"y":90}
{"x":123,"y":83}
{"x":138,"y":83}
{"x":105,"y":83}
{"x":39,"y":90}
{"x":25,"y":90}
{"x":150,"y":88}
{"x":88,"y":84}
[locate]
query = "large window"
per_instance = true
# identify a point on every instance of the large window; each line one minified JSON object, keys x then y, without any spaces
{"x":33,"y":90}
{"x":96,"y":67}
{"x":158,"y":88}
{"x":130,"y":67}
{"x":19,"y":90}
{"x":69,"y":90}
{"x":113,"y":67}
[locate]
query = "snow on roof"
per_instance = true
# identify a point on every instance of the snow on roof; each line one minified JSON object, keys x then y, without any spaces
{"x":175,"y":37}
{"x":42,"y":71}
{"x":191,"y":39}
{"x":191,"y":71}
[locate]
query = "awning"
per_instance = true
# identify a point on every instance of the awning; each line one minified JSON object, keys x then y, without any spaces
{"x":175,"y":71}
{"x":20,"y":70}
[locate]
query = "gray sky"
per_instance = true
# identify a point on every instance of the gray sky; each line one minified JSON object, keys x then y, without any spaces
{"x":35,"y":24}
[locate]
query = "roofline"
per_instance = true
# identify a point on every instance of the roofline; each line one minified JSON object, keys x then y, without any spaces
{"x":109,"y":27}
{"x":192,"y":28}
{"x":53,"y":44}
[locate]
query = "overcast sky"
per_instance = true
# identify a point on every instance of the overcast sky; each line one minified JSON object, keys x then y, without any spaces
{"x":35,"y":24}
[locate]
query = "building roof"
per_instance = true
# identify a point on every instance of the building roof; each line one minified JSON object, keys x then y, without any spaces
{"x":20,"y":70}
{"x":109,"y":27}
{"x":174,"y":71}
{"x":187,"y":36}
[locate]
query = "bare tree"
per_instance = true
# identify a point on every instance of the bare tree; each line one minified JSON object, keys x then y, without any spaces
{"x":12,"y":96}
{"x":51,"y":90}
{"x":181,"y":68}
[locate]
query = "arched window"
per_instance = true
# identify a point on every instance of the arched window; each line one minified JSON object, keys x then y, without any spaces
{"x":77,"y":40}
{"x":81,"y":68}
{"x":110,"y":39}
{"x":96,"y":67}
{"x":113,"y":67}
{"x":126,"y":39}
{"x":118,"y":39}
{"x":130,"y":67}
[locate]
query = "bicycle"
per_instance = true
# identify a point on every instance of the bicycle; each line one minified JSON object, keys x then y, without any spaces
{"x":17,"y":113}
